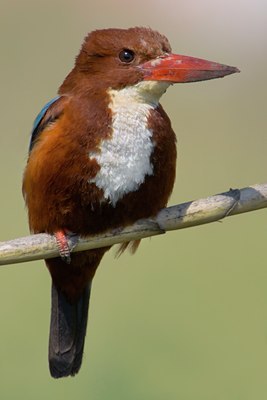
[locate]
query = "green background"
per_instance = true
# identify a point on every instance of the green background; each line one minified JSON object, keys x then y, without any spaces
{"x":186,"y":317}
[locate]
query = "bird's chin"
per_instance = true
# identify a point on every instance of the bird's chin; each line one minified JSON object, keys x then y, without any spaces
{"x":148,"y":92}
{"x":151,"y":91}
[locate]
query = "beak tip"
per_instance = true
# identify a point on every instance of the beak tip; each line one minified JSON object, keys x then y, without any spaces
{"x":232,"y":70}
{"x":235,"y":70}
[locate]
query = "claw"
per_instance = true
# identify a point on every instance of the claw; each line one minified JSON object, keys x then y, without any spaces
{"x":63,"y":246}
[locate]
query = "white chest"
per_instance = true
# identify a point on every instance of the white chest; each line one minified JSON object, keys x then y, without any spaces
{"x":125,"y":158}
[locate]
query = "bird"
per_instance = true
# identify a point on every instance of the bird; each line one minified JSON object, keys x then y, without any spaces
{"x":102,"y":155}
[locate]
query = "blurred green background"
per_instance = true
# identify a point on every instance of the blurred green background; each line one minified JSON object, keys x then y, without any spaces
{"x":186,"y":317}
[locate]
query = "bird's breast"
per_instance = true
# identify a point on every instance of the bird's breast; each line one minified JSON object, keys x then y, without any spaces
{"x":125,"y":157}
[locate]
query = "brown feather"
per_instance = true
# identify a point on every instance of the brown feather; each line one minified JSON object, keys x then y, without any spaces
{"x":57,"y":179}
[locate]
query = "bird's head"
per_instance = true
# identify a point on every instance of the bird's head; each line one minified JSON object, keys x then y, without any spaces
{"x":137,"y":57}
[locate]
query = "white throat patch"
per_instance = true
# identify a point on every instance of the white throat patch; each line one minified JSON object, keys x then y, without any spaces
{"x":124,"y":159}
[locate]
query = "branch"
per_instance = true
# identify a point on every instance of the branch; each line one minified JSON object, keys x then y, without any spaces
{"x":193,"y":213}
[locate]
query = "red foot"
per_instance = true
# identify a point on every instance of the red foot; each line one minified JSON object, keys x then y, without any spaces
{"x":63,"y":246}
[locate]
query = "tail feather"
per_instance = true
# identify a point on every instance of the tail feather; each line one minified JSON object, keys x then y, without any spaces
{"x":67,"y":333}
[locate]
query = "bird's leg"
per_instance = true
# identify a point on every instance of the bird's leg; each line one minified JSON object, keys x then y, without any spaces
{"x":64,"y":248}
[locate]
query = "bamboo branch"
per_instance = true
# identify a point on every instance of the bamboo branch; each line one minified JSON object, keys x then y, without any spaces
{"x":193,"y":213}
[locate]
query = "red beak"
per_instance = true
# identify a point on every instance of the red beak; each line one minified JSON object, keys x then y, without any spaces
{"x":176,"y":68}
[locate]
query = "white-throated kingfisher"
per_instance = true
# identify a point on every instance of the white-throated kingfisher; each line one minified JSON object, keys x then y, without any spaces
{"x":102,"y":155}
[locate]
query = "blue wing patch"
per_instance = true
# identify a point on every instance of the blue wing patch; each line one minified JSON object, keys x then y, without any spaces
{"x":38,"y":119}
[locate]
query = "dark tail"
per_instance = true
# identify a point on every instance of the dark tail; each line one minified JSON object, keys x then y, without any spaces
{"x":67,"y":333}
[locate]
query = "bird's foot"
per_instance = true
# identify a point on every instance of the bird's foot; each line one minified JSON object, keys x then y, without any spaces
{"x":66,"y":241}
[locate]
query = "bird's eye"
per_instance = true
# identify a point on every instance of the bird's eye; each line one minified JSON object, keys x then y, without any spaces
{"x":126,"y":56}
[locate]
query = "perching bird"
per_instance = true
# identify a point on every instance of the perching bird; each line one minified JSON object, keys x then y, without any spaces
{"x":102,"y":155}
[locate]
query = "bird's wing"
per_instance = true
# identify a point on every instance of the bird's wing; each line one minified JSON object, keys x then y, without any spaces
{"x":49,"y":114}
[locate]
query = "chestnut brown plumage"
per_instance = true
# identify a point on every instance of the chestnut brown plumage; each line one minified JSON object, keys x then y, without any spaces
{"x":64,"y":184}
